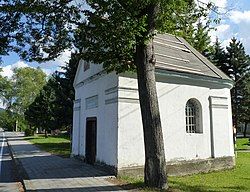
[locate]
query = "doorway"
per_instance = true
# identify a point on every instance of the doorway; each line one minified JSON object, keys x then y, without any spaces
{"x":90,"y":147}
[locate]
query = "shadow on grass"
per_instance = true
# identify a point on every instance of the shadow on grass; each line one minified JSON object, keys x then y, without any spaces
{"x":60,"y":149}
{"x":52,"y":145}
{"x":41,"y":136}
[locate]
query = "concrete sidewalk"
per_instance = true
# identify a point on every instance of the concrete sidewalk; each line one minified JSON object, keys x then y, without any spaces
{"x":42,"y":171}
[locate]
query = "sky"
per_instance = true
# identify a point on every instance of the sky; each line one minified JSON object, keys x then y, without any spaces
{"x":235,"y":22}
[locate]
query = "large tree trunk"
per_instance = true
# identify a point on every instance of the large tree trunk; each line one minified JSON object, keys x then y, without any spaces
{"x":155,"y":164}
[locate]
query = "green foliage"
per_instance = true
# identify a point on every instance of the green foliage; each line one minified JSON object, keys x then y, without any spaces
{"x":115,"y":27}
{"x":37,"y":29}
{"x":55,"y":100}
{"x":245,"y":106}
{"x":40,"y":112}
{"x":18,"y":93}
{"x":108,"y":30}
{"x":201,"y":40}
{"x":6,"y":91}
{"x":29,"y":132}
{"x":238,"y":63}
{"x":27,"y":84}
{"x":65,"y":93}
{"x":218,"y":57}
{"x":7,"y":121}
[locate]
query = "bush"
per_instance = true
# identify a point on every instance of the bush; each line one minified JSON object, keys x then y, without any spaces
{"x":29,"y":132}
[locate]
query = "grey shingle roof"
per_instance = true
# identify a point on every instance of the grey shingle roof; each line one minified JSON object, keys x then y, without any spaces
{"x":175,"y":54}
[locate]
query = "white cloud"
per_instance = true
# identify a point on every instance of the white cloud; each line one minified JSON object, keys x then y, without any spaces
{"x":47,"y":67}
{"x":221,"y":31}
{"x":240,"y":17}
{"x":60,"y":61}
{"x":47,"y":71}
{"x":226,"y":42}
{"x":222,"y":28}
{"x":7,"y":71}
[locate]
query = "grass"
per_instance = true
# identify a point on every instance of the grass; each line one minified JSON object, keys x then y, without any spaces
{"x":234,"y":180}
{"x":237,"y":179}
{"x":242,"y":144}
{"x":58,"y":145}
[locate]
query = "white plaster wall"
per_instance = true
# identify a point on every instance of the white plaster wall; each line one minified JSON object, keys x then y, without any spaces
{"x":222,"y":123}
{"x":76,"y":128}
{"x":130,"y":133}
{"x":106,"y":115}
{"x":179,"y":145}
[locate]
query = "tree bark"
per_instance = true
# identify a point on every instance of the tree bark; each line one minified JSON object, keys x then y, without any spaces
{"x":155,"y":164}
{"x":245,"y":130}
{"x":16,"y":125}
{"x":46,"y":134}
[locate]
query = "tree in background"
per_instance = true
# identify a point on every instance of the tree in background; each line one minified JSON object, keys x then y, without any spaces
{"x":41,"y":112}
{"x":7,"y":120}
{"x":27,"y":83}
{"x":218,"y":57}
{"x":19,"y":92}
{"x":65,"y":93}
{"x":6,"y":92}
{"x":244,"y":109}
{"x":235,"y":63}
{"x":56,"y":98}
{"x":201,"y":39}
{"x":238,"y":65}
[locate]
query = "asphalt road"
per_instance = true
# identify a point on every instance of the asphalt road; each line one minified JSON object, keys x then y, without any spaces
{"x":8,"y":177}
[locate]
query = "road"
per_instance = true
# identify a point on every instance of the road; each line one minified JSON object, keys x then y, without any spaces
{"x":8,"y":177}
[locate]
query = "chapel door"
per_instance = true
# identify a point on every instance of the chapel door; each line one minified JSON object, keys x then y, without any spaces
{"x":90,"y":147}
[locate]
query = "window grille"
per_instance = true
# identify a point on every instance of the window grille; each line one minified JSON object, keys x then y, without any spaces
{"x":192,"y":117}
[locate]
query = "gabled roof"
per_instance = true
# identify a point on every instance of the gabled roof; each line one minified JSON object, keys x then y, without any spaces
{"x":176,"y":54}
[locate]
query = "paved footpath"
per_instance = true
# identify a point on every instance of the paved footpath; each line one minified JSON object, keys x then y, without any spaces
{"x":42,"y":171}
{"x":8,"y":180}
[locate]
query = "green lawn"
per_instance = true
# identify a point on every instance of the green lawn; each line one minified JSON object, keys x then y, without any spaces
{"x":58,"y":145}
{"x":237,"y":179}
{"x":234,"y":180}
{"x":242,"y":144}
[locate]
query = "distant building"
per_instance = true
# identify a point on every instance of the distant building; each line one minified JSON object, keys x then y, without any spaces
{"x":195,"y":108}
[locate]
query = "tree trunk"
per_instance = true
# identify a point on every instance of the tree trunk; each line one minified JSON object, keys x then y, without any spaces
{"x":155,"y":164}
{"x":16,"y":126}
{"x":46,"y":134}
{"x":245,"y":130}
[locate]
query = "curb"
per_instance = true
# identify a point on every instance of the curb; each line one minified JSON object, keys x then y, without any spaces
{"x":21,"y":173}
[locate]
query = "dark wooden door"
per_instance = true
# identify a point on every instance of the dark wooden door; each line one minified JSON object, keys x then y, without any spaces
{"x":90,"y":150}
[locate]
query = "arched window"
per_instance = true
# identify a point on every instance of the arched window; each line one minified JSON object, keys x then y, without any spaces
{"x":193,"y":116}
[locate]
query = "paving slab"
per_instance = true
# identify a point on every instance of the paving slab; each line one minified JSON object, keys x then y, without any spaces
{"x":43,"y":171}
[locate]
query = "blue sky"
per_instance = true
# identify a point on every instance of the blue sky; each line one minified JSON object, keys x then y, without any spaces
{"x":235,"y":23}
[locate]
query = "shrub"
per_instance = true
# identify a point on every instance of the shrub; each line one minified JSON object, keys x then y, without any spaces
{"x":29,"y":132}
